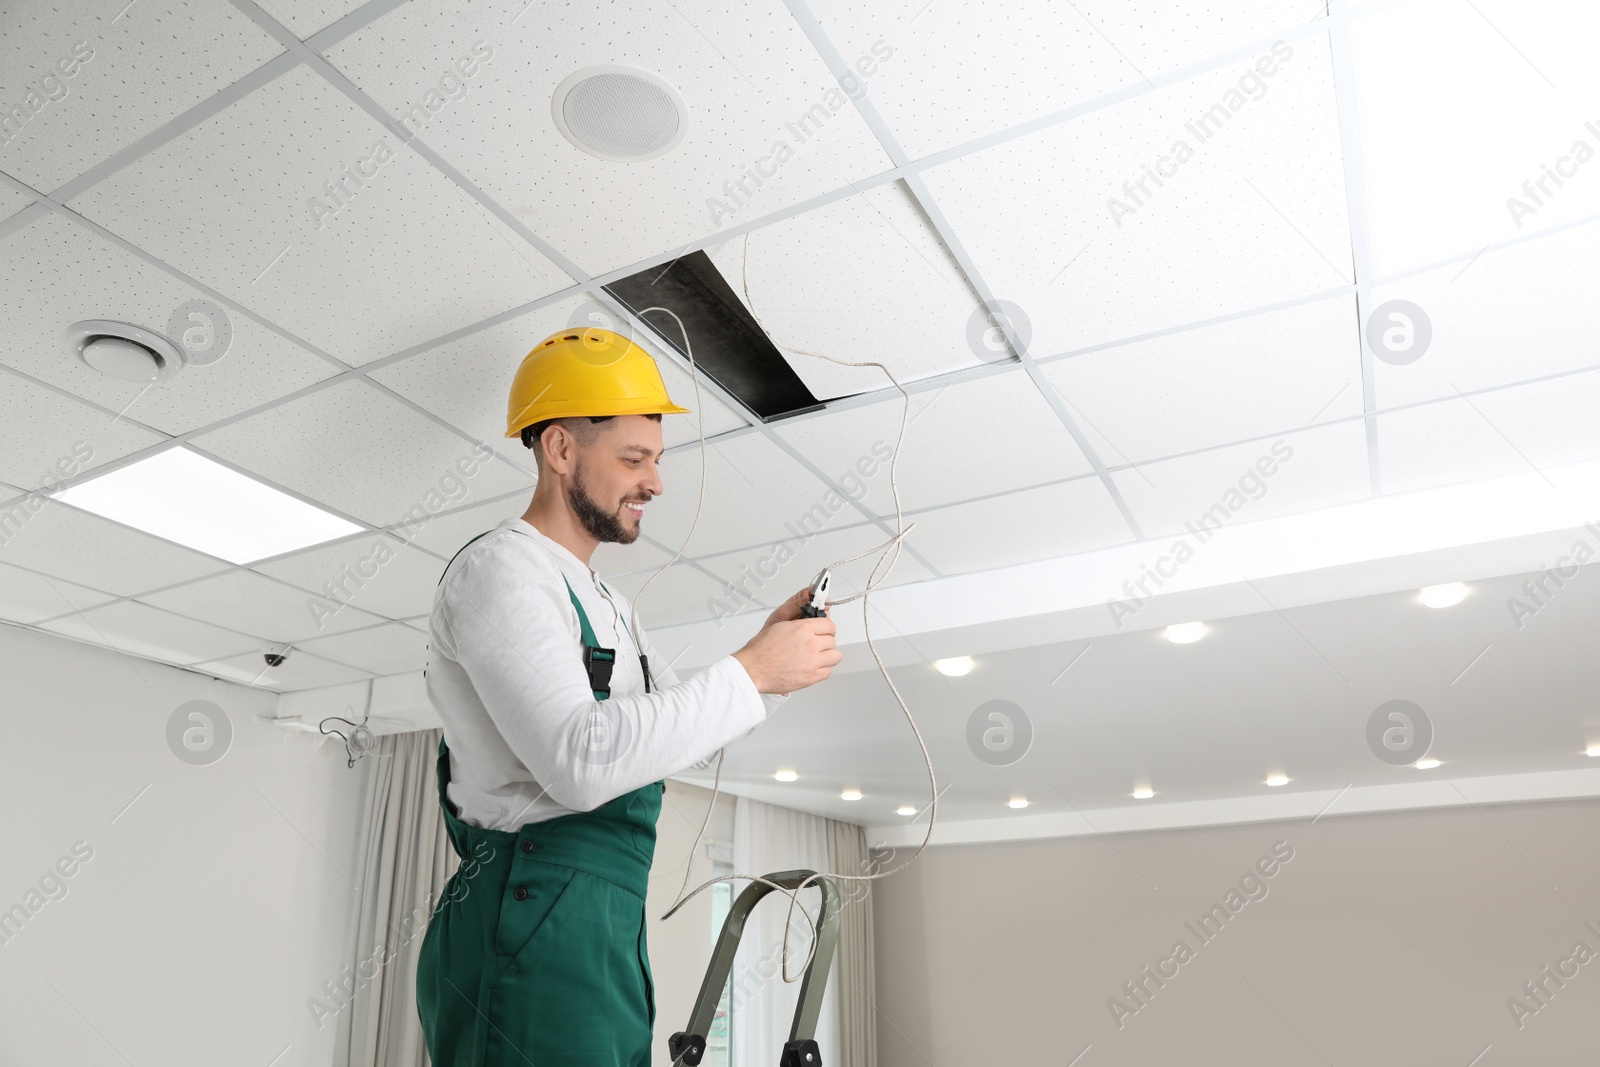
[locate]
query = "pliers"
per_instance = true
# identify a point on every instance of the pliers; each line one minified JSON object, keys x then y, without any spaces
{"x":818,"y":605}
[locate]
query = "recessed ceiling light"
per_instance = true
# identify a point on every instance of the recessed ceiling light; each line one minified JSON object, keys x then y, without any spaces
{"x":1144,"y":792}
{"x":953,"y":668}
{"x":1017,"y":802}
{"x":1186,"y":633}
{"x":1426,"y":764}
{"x":1592,"y":750}
{"x":786,"y":776}
{"x":182,"y":496}
{"x":905,"y":809}
{"x":1277,"y":779}
{"x":850,"y":794}
{"x":1444,"y":596}
{"x":121,"y":350}
{"x":621,"y":113}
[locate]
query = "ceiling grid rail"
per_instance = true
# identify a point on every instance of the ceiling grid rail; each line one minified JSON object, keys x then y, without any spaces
{"x":1360,"y":238}
{"x":965,"y":264}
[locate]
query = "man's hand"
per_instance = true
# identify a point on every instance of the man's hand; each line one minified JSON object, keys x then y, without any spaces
{"x":789,"y":610}
{"x":790,"y":653}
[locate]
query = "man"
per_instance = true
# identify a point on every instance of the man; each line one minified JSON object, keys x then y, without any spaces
{"x":559,"y":728}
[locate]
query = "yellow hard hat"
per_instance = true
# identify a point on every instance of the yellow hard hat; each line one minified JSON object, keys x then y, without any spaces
{"x":586,"y":371}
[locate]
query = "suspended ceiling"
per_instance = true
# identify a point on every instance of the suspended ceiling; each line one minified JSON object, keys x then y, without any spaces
{"x":1164,"y":335}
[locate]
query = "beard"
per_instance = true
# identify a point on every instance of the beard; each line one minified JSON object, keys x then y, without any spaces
{"x":602,"y":525}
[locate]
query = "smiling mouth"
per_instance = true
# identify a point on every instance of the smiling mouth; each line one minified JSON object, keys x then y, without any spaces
{"x":634,"y":506}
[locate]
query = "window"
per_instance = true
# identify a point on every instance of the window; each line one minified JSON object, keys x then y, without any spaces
{"x":719,"y":1042}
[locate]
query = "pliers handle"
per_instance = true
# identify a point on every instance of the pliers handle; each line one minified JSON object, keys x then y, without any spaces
{"x":817,"y":607}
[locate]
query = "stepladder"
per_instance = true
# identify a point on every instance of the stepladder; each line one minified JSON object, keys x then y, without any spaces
{"x":688,"y":1046}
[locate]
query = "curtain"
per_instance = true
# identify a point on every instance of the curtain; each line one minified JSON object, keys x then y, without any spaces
{"x":853,"y":967}
{"x":405,"y":861}
{"x":768,"y":839}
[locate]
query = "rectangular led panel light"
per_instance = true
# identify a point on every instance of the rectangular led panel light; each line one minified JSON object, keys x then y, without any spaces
{"x":182,"y":496}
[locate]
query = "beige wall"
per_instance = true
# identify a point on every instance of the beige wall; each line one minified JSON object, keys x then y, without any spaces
{"x":680,"y":948}
{"x":1387,"y":939}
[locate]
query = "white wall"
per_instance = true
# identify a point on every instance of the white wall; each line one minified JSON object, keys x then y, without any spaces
{"x":216,"y":904}
{"x":211,"y":908}
{"x":1391,"y":939}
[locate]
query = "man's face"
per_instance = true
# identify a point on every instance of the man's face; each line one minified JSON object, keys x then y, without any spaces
{"x":617,"y":471}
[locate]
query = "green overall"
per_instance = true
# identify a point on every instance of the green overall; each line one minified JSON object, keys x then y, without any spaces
{"x":536,"y":956}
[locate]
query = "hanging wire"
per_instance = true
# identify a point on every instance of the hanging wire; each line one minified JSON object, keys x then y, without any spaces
{"x":894,"y":544}
{"x":359,"y":741}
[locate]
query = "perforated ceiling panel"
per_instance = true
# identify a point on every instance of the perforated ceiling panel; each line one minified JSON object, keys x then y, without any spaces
{"x":389,"y":218}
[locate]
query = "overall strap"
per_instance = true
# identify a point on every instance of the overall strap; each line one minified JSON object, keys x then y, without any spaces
{"x":460,"y":550}
{"x":598,"y":661}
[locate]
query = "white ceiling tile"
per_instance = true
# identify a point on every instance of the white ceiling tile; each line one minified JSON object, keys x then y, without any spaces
{"x":406,"y":258}
{"x":681,"y":594}
{"x":1208,"y":386}
{"x":46,"y":437}
{"x":376,"y":572}
{"x":865,"y":278}
{"x":964,"y":440}
{"x":1507,"y":316}
{"x":446,"y":533}
{"x":467,"y":382}
{"x":767,"y":575}
{"x":707,"y":415}
{"x":1442,"y":444}
{"x":133,"y":69}
{"x":612,"y":557}
{"x":307,"y":17}
{"x":1296,"y":472}
{"x":1460,"y":103}
{"x":302,"y":670}
{"x":1511,"y":431}
{"x":136,"y":629}
{"x":955,"y":72}
{"x":12,"y":201}
{"x":62,"y":541}
{"x":1034,"y":524}
{"x":60,"y":274}
{"x":1551,"y":423}
{"x":29,"y":597}
{"x":745,"y":70}
{"x":388,"y":649}
{"x":1254,"y":215}
{"x":752,"y":487}
{"x":420,"y":625}
{"x":359,"y":450}
{"x":249,"y":603}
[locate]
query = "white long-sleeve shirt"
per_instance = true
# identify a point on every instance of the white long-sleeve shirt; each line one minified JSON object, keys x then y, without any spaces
{"x":527,"y":739}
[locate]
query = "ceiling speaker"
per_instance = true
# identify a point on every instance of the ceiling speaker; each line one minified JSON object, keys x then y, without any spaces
{"x":625,"y":114}
{"x":123,"y":350}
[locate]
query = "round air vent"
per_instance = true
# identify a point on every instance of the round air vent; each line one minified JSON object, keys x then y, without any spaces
{"x":625,"y":114}
{"x":123,"y":351}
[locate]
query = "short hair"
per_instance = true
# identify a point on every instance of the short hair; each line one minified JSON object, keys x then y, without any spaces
{"x":585,"y":432}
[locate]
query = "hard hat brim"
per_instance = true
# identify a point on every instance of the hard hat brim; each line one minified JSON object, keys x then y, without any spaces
{"x":542,"y":412}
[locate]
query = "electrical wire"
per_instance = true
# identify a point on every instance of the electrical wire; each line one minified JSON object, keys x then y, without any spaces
{"x":894,"y":544}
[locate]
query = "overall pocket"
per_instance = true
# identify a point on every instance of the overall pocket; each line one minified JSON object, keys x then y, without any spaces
{"x":531,"y":893}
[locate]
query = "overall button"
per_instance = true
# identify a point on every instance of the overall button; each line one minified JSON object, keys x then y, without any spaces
{"x":521,"y":892}
{"x":528,"y":845}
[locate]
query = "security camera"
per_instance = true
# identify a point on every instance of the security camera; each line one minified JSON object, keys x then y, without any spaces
{"x":276,"y":654}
